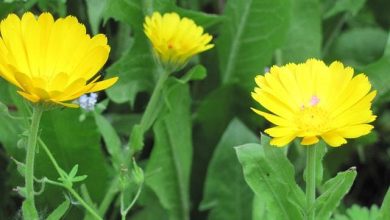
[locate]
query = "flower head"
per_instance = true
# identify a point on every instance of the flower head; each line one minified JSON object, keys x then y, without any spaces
{"x":51,"y":61}
{"x":87,"y":102}
{"x":312,"y":100}
{"x":175,"y":40}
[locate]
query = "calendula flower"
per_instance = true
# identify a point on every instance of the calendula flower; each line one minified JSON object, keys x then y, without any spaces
{"x":312,"y":100}
{"x":51,"y":61}
{"x":175,"y":40}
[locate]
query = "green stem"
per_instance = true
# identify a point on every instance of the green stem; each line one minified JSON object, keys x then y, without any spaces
{"x":278,"y":57}
{"x":30,"y":211}
{"x":150,"y":114}
{"x":310,"y":182}
{"x":148,"y":117}
{"x":71,"y":190}
{"x":50,"y":155}
{"x":83,"y":203}
{"x":125,"y":211}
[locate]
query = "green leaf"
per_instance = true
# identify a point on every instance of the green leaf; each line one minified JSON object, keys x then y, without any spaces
{"x":202,"y":19}
{"x":59,"y":211}
{"x":359,"y":46}
{"x":385,"y":208}
{"x":197,"y":72}
{"x":21,"y":167}
{"x":79,"y":178}
{"x":259,"y":207}
{"x":377,"y":72}
{"x":73,"y":172}
{"x":127,"y":11}
{"x":209,"y":125}
{"x":248,"y":38}
{"x":111,"y":139}
{"x":168,"y":169}
{"x":221,"y":193}
{"x":351,"y":6}
{"x":271,"y":176}
{"x":359,"y":213}
{"x":137,"y":138}
{"x":95,"y":9}
{"x":333,"y":192}
{"x":135,"y":71}
{"x":71,"y":142}
{"x":299,"y":45}
{"x":151,"y":207}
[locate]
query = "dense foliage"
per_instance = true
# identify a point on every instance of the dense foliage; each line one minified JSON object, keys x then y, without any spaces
{"x":183,"y":161}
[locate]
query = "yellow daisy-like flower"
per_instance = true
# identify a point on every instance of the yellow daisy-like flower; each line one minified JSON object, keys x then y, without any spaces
{"x":175,"y":40}
{"x":51,"y":61}
{"x":312,"y":100}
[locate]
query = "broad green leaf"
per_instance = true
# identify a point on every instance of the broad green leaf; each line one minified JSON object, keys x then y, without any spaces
{"x":71,"y":142}
{"x":165,"y":6}
{"x":377,"y":72}
{"x":95,"y":9}
{"x":111,"y":139}
{"x":259,"y":207}
{"x":135,"y":71}
{"x":304,"y":34}
{"x":385,"y":207}
{"x":359,"y":46}
{"x":59,"y":211}
{"x":151,"y":207}
{"x":202,"y":19}
{"x":127,"y":11}
{"x":161,"y":6}
{"x":210,"y":122}
{"x":351,"y":6}
{"x":271,"y":176}
{"x":248,"y":38}
{"x":334,"y":191}
{"x":221,"y":193}
{"x":168,"y":169}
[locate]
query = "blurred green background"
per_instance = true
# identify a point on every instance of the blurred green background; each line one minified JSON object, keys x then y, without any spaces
{"x":208,"y":116}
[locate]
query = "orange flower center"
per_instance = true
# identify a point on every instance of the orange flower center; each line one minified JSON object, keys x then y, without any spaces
{"x":312,"y":120}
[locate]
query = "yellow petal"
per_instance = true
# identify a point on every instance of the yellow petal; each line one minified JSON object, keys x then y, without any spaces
{"x":279,"y":131}
{"x":355,"y":130}
{"x":274,"y":119}
{"x":69,"y":105}
{"x":333,"y":139}
{"x":30,"y":97}
{"x":103,"y":84}
{"x":310,"y":140}
{"x":281,"y":141}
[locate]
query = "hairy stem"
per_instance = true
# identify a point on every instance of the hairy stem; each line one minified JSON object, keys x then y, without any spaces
{"x":310,"y":182}
{"x":29,"y":210}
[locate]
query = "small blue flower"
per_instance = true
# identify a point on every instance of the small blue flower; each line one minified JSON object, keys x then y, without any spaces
{"x":88,"y":102}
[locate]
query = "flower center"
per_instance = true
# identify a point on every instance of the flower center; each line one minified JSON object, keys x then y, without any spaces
{"x":312,"y":119}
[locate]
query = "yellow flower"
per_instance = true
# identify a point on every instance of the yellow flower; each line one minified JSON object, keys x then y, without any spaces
{"x":51,"y":61}
{"x":175,"y":40}
{"x":312,"y":100}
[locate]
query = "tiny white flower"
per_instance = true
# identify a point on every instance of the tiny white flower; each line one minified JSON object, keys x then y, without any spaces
{"x":88,"y":102}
